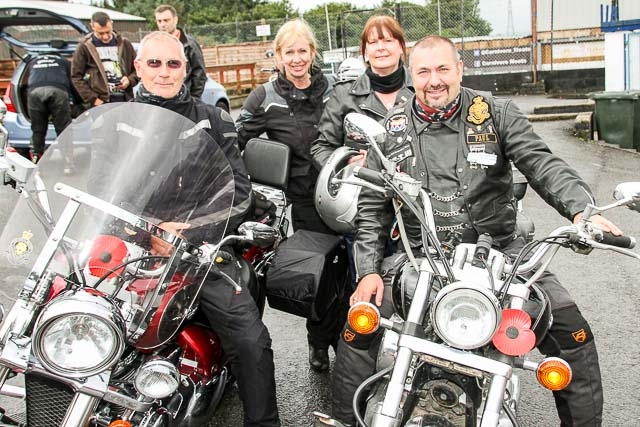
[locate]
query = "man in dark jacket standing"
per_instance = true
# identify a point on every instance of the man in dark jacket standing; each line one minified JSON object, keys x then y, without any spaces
{"x":167,"y":21}
{"x":161,"y":65}
{"x":50,"y":91}
{"x":458,"y":142}
{"x":102,"y":68}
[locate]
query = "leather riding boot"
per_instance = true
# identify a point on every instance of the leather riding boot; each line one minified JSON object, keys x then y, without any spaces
{"x":580,"y":404}
{"x":318,"y":358}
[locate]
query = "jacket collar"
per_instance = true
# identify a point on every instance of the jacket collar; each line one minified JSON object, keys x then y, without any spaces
{"x":319,"y":85}
{"x":362,"y":85}
{"x":183,"y":36}
{"x":88,"y":38}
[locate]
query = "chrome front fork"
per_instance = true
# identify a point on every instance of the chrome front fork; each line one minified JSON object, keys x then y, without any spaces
{"x":80,"y":410}
{"x":390,"y":414}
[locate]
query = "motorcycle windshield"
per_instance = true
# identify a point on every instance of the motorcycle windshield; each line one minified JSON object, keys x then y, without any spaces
{"x":100,"y":225}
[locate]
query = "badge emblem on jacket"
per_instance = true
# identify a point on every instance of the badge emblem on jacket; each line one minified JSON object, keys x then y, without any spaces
{"x":397,"y":123}
{"x":478,"y":112}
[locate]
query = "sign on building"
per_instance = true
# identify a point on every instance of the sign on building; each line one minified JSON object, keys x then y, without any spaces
{"x":332,"y":56}
{"x":497,"y":59}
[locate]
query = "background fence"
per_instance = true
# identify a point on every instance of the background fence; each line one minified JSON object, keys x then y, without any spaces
{"x":457,"y":19}
{"x":338,"y":35}
{"x":498,"y":39}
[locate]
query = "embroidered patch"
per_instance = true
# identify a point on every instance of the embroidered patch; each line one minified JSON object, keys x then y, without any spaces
{"x":482,"y":135}
{"x":397,"y":123}
{"x":579,"y":336}
{"x":348,"y":336}
{"x":478,"y":111}
{"x":481,"y":138}
{"x":400,"y":153}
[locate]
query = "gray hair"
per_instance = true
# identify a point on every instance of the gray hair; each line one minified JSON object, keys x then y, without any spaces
{"x":160,"y":35}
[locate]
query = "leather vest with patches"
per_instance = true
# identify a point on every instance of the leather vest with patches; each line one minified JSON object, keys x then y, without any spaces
{"x":483,"y":172}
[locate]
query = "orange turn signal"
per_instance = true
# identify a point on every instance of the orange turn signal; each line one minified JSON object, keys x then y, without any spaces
{"x":554,"y":373}
{"x":364,"y":318}
{"x":120,"y":423}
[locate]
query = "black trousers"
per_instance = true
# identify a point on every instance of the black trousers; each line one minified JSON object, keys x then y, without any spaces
{"x":246,"y":341}
{"x":326,"y":331}
{"x":43,"y":102}
{"x":570,"y":337}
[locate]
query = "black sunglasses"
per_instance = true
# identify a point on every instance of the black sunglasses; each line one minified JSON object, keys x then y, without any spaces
{"x":174,"y":64}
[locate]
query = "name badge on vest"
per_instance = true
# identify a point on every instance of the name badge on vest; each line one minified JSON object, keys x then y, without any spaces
{"x":478,"y":157}
{"x":482,"y":136}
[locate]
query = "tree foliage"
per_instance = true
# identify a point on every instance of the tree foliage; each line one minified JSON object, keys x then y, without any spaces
{"x":201,"y":12}
{"x":450,"y":18}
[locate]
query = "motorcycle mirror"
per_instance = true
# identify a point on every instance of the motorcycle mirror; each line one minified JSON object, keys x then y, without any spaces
{"x":358,"y":126}
{"x":629,"y":191}
{"x":262,"y":235}
{"x":269,"y":54}
{"x":365,"y":130}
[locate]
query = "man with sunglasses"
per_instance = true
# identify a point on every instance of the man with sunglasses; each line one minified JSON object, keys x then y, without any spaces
{"x":102,"y":67}
{"x":161,"y":65}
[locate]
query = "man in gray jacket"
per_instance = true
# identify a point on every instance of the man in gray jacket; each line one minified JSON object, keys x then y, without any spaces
{"x":458,"y":142}
{"x":167,"y":21}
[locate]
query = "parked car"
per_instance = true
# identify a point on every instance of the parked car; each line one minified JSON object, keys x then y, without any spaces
{"x":31,"y":31}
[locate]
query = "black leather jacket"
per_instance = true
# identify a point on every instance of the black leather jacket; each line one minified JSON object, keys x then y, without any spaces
{"x":290,"y":116}
{"x":196,"y":73}
{"x":497,"y":132}
{"x":351,"y":96}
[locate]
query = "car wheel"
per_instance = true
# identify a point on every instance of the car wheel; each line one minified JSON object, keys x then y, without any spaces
{"x":223,"y":105}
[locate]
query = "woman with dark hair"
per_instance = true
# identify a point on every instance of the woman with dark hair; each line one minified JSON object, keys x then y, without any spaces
{"x":288,"y":109}
{"x":384,"y":84}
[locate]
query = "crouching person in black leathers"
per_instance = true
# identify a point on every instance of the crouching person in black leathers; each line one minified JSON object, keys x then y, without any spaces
{"x":161,"y":65}
{"x":50,"y":93}
{"x":438,"y":134}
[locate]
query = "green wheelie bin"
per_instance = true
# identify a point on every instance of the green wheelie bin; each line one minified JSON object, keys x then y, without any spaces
{"x":617,"y":118}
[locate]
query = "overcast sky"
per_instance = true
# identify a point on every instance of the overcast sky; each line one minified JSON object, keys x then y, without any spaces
{"x":494,"y":11}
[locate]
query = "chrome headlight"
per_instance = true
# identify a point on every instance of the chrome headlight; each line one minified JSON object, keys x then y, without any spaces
{"x":79,"y":335}
{"x":157,"y":379}
{"x":465,"y":316}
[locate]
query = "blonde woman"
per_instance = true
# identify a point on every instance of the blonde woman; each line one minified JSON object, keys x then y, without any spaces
{"x":288,"y":109}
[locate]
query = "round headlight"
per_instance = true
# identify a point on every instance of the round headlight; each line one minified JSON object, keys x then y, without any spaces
{"x":79,"y":335}
{"x":157,"y":379}
{"x":465,"y":316}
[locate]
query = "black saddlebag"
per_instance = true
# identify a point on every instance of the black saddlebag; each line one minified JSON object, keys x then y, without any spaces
{"x":308,"y":274}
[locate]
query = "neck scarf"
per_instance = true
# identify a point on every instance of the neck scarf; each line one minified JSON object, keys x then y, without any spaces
{"x":181,"y":103}
{"x":432,"y":115}
{"x":386,"y":84}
